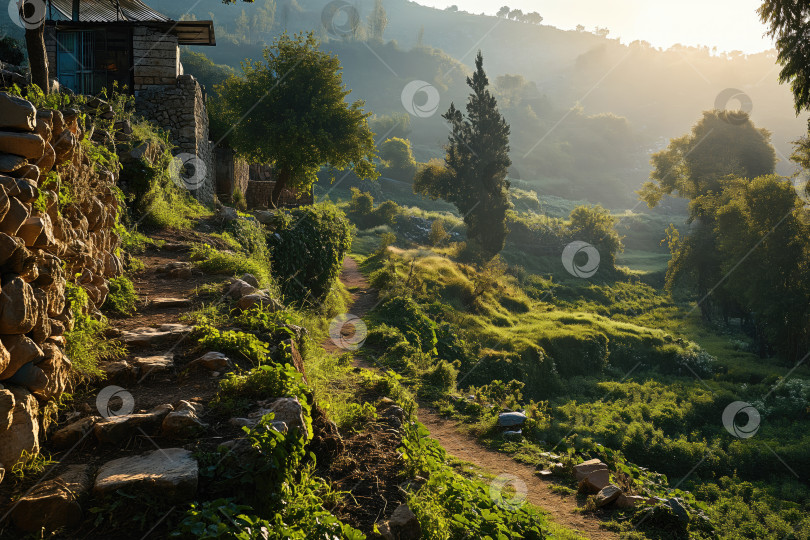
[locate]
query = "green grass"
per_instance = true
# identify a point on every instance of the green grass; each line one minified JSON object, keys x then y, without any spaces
{"x":232,"y":263}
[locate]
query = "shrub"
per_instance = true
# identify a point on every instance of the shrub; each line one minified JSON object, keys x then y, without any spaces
{"x":122,"y":297}
{"x":438,"y":235}
{"x":87,"y":343}
{"x":240,"y":344}
{"x":356,"y":416}
{"x":308,"y":248}
{"x":238,"y":392}
{"x":442,"y":377}
{"x":406,"y":315}
{"x":213,"y":261}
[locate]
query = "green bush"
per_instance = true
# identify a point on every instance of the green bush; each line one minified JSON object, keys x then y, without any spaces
{"x":441,"y":377}
{"x":122,"y":297}
{"x":241,"y":345}
{"x":406,"y":315}
{"x":308,"y":248}
{"x":213,"y":261}
{"x":238,"y":392}
{"x":87,"y":343}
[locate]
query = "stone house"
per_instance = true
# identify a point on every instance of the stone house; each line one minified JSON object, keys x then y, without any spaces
{"x":93,"y":43}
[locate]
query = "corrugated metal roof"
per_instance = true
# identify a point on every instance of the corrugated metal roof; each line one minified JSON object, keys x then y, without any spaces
{"x":106,"y":11}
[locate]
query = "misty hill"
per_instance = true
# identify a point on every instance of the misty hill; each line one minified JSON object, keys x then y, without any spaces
{"x":584,"y":107}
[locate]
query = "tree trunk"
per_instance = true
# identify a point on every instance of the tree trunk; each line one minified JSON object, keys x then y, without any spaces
{"x":282,"y":180}
{"x":38,"y":57}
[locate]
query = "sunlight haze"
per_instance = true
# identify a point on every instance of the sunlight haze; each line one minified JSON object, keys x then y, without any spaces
{"x":726,"y":24}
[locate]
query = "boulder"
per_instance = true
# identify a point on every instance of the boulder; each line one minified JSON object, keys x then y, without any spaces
{"x":29,"y":145}
{"x":4,"y":204}
{"x":22,"y":189}
{"x":607,"y":495}
{"x":53,"y":504}
{"x":170,"y":473}
{"x":118,"y":429}
{"x":6,"y":409}
{"x":10,"y":162}
{"x":587,"y":467}
{"x":22,"y":350}
{"x":287,"y":410}
{"x":595,"y":482}
{"x":18,"y":308}
{"x":153,"y":365}
{"x":511,"y":419}
{"x":183,"y":422}
{"x":120,"y":372}
{"x":239,"y":288}
{"x":17,"y":113}
{"x":17,"y":213}
{"x":8,"y":245}
{"x":5,"y":357}
{"x":251,"y":280}
{"x":74,"y":432}
{"x":29,"y":376}
{"x":47,"y":161}
{"x":212,"y":361}
{"x":23,"y":433}
{"x":29,"y":172}
{"x":56,"y":367}
{"x":403,"y":525}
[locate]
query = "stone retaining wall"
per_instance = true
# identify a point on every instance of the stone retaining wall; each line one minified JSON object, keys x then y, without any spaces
{"x":180,"y":109}
{"x":45,"y":241}
{"x":231,"y":174}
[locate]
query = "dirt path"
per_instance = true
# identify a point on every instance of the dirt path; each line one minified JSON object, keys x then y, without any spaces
{"x":561,"y":508}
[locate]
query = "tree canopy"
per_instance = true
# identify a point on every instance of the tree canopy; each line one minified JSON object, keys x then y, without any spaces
{"x":295,"y":100}
{"x":789,"y":24}
{"x":473,"y":176}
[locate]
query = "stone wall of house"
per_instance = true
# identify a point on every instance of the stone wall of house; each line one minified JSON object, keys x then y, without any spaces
{"x":155,"y":57}
{"x":231,"y":173}
{"x":44,"y":242}
{"x":180,"y":109}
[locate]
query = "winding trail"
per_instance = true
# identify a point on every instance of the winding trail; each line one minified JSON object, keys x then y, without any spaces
{"x":561,"y":508}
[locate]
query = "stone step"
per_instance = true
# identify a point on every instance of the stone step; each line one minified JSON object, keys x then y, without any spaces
{"x":146,"y":337}
{"x":119,"y":429}
{"x":153,"y":365}
{"x":168,"y":302}
{"x":53,"y":504}
{"x":170,"y":473}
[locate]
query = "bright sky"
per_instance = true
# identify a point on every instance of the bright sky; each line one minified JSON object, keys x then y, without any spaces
{"x":727,"y":24}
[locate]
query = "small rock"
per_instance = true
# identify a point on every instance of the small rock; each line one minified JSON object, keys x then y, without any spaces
{"x":403,"y":525}
{"x":384,"y":403}
{"x":596,"y":481}
{"x":678,"y":508}
{"x":182,"y":423}
{"x":120,"y":372}
{"x":72,"y":433}
{"x":287,"y":410}
{"x":511,"y":419}
{"x":153,"y":365}
{"x":513,"y":435}
{"x":251,"y":280}
{"x":240,"y":288}
{"x":607,"y":495}
{"x":170,"y":473}
{"x":180,"y":273}
{"x":213,"y":361}
{"x":54,"y":504}
{"x":630,"y":501}
{"x":118,"y":429}
{"x":250,"y":301}
{"x":587,"y":467}
{"x":228,"y":214}
{"x":394,"y":411}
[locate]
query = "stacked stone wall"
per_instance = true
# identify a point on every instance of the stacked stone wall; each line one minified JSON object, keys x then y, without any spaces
{"x":48,"y":236}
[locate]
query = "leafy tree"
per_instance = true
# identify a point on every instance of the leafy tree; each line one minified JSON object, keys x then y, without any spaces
{"x":533,"y":18}
{"x":397,"y":153}
{"x":722,"y":143}
{"x":698,"y":167}
{"x":775,"y":284}
{"x":503,"y":12}
{"x":377,"y":21}
{"x":580,"y":28}
{"x":597,"y":226}
{"x":295,"y":98}
{"x":473,"y":177}
{"x":516,"y":14}
{"x":789,"y":24}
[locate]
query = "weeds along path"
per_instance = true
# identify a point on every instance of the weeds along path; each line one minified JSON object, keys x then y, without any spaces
{"x":561,"y":508}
